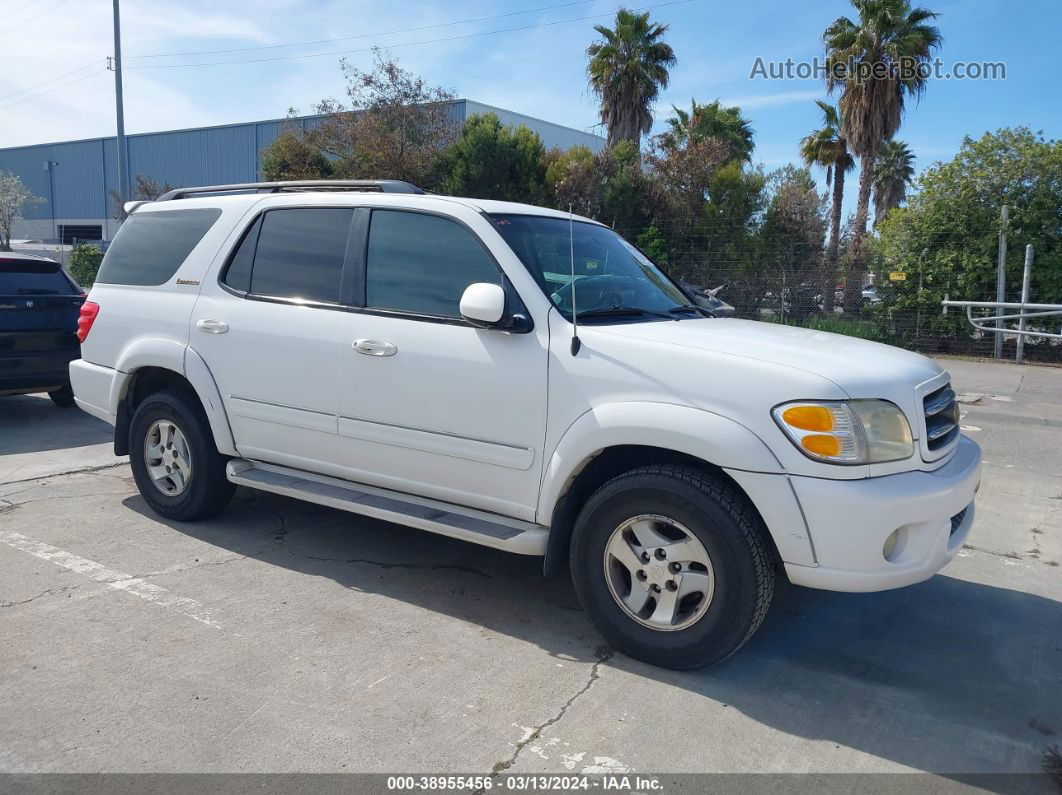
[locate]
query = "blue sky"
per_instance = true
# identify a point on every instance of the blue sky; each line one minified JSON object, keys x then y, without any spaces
{"x":539,"y":71}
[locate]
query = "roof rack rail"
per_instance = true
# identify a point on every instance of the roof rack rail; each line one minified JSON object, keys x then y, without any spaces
{"x":363,"y":185}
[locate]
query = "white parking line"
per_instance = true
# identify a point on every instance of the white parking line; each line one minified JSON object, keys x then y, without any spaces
{"x":114,"y":579}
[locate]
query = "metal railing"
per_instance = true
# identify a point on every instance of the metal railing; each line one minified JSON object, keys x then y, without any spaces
{"x":999,"y":321}
{"x":994,"y":324}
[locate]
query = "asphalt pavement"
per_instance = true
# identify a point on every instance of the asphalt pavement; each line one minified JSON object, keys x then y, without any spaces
{"x":283,"y":636}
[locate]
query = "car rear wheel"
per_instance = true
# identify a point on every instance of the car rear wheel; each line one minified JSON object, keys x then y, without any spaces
{"x":673,"y":566}
{"x":177,"y":468}
{"x":62,"y":397}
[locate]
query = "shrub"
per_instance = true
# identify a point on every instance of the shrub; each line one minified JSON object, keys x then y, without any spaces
{"x":85,"y":262}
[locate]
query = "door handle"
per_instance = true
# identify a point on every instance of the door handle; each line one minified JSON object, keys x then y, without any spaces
{"x":375,"y":348}
{"x":212,"y":326}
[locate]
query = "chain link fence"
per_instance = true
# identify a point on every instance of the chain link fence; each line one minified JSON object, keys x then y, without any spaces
{"x":897,"y":302}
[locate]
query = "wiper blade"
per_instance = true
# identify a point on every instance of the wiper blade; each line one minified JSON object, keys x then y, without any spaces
{"x":688,"y":308}
{"x":622,"y":311}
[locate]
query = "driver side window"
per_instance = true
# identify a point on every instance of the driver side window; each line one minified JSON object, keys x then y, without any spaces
{"x":421,"y":264}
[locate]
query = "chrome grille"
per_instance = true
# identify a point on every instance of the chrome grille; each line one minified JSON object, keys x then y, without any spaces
{"x":942,"y":418}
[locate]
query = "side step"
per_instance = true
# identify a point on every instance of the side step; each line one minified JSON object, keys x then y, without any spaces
{"x":467,"y":524}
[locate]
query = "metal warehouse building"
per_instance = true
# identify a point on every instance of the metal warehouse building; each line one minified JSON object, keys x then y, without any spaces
{"x":75,"y":178}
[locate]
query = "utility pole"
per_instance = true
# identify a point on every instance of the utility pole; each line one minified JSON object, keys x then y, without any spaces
{"x":1001,"y":276}
{"x":123,"y":165}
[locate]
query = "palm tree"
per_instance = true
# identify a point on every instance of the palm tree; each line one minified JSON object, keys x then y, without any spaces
{"x":893,"y":173}
{"x":626,"y":71}
{"x":711,"y":121}
{"x":827,"y":147}
{"x":877,"y":62}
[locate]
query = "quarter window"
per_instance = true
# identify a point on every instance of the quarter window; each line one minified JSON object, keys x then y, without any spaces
{"x":238,"y":274}
{"x":422,"y":264}
{"x":151,"y":246}
{"x":300,"y":253}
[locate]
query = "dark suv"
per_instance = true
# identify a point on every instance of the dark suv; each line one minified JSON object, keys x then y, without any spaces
{"x":39,"y":306}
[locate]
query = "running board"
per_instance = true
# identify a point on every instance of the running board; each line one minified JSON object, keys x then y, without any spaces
{"x":467,"y":524}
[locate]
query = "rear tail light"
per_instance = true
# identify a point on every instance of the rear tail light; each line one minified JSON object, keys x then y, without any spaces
{"x":86,"y":318}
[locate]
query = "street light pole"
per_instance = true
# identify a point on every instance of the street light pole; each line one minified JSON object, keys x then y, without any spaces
{"x":123,"y":165}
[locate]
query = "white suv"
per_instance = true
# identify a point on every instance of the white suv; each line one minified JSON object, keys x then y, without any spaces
{"x":511,"y":376}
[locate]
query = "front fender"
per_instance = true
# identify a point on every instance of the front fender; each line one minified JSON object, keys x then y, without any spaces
{"x":710,"y":437}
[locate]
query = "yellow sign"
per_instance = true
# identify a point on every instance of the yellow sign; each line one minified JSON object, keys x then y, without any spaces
{"x":897,"y":276}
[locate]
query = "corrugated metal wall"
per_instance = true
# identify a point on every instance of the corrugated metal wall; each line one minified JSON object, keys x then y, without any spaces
{"x":83,"y":173}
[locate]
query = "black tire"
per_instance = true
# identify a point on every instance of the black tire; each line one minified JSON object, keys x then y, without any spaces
{"x":732,"y":534}
{"x":62,"y":397}
{"x":207,"y":491}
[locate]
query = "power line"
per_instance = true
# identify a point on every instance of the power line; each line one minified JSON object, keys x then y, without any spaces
{"x":26,"y":7}
{"x":46,"y":82}
{"x":50,"y":90}
{"x":362,"y":35}
{"x":35,"y":16}
{"x":407,"y":44}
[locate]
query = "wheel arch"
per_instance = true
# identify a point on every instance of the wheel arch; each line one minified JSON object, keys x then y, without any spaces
{"x":613,"y":439}
{"x":194,"y":378}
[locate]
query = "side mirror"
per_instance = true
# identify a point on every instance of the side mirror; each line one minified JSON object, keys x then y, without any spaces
{"x":483,"y":304}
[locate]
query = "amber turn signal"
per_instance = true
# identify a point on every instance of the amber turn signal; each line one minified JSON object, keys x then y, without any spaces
{"x":819,"y":444}
{"x":809,"y":418}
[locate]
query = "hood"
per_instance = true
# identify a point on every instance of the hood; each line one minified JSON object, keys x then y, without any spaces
{"x":861,"y":368}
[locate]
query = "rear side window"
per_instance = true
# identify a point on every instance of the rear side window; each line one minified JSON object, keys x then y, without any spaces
{"x":32,"y":277}
{"x":422,"y":263}
{"x":151,"y":246}
{"x":299,"y":254}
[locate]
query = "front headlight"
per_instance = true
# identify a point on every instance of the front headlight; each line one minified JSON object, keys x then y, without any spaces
{"x":847,"y":432}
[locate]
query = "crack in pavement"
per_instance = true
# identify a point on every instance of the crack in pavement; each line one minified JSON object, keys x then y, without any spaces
{"x":77,"y":471}
{"x":383,"y":565}
{"x":1008,"y":555}
{"x":603,"y":654}
{"x":281,"y":541}
{"x":46,"y":592}
{"x":198,"y":565}
{"x":281,"y":533}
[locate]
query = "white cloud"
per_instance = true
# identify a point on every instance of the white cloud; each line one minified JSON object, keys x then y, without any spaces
{"x":774,"y":100}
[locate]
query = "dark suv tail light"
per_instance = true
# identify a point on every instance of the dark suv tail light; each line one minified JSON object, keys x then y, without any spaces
{"x":85,"y":319}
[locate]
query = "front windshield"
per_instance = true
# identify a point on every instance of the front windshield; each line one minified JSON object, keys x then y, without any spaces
{"x":613,"y":280}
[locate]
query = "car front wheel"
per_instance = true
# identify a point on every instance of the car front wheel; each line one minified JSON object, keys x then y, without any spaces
{"x":673,"y":566}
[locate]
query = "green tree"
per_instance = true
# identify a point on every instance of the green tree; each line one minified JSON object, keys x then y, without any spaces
{"x":625,"y":189}
{"x":826,"y":147}
{"x":705,"y":207}
{"x":609,"y":186}
{"x":793,"y":233}
{"x":627,"y":69}
{"x":712,"y":120}
{"x":945,"y":238}
{"x":875,"y":61}
{"x":292,"y":156}
{"x":573,"y":179}
{"x":491,"y":161}
{"x":893,"y":173}
{"x":14,"y":198}
{"x":393,"y":125}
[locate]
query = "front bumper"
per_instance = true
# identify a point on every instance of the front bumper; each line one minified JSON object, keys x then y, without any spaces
{"x":850,"y":522}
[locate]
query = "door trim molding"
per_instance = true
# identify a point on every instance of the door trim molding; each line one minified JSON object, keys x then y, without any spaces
{"x":469,"y":448}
